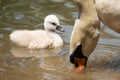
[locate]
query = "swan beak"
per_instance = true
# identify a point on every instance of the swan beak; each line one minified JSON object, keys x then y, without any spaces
{"x":59,"y":28}
{"x":78,"y":59}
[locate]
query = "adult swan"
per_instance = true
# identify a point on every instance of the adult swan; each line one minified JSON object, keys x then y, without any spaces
{"x":86,"y":30}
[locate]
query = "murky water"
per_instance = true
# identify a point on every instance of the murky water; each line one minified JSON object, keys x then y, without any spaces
{"x":17,"y":63}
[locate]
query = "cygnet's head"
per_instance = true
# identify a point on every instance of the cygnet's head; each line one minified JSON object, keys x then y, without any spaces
{"x":51,"y":23}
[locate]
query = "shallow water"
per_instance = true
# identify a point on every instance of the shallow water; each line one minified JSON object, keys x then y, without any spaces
{"x":17,"y":63}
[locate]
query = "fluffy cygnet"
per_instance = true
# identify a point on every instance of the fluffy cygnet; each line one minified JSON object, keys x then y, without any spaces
{"x":36,"y":39}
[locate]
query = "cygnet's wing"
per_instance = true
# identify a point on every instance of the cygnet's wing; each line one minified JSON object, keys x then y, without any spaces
{"x":32,"y":39}
{"x":40,"y":40}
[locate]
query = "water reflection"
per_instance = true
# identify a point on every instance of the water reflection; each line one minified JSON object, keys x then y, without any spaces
{"x":24,"y":52}
{"x":17,"y":63}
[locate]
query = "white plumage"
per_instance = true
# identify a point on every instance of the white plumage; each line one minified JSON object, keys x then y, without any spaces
{"x":35,"y":39}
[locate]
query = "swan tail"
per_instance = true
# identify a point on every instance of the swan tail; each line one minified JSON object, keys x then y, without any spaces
{"x":20,"y":38}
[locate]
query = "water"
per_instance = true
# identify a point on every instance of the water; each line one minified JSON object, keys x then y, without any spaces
{"x":17,"y":63}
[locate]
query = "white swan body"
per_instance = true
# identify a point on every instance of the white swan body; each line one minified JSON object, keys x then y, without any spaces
{"x":35,"y":39}
{"x":109,"y":13}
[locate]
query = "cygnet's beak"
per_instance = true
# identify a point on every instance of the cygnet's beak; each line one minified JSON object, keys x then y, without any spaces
{"x":59,"y":28}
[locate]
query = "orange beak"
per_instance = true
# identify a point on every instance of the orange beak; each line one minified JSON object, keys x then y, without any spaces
{"x":78,"y":59}
{"x":80,"y":64}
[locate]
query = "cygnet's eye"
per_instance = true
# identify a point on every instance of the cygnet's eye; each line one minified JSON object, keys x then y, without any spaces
{"x":54,"y":24}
